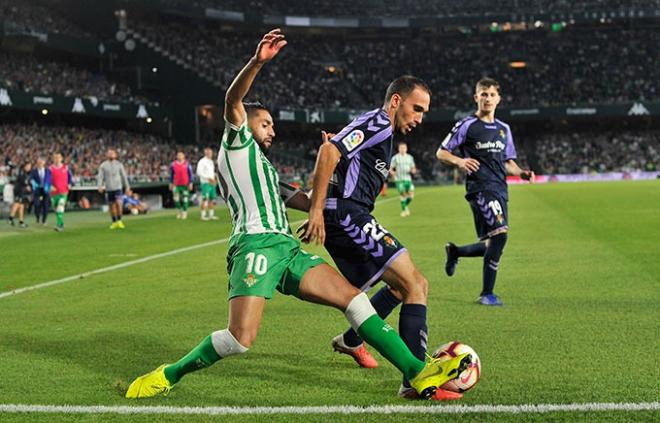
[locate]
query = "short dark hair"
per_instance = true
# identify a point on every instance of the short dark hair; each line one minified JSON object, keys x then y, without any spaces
{"x":487,"y":83}
{"x":404,"y":85}
{"x":253,"y":106}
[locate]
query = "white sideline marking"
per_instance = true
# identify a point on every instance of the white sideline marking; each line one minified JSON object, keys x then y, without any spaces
{"x":111,"y":268}
{"x":336,"y":409}
{"x":133,"y":262}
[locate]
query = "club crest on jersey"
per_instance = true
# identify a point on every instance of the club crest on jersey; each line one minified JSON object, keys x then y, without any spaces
{"x":389,"y":241}
{"x":502,"y":134}
{"x":353,"y":139}
{"x":250,"y":280}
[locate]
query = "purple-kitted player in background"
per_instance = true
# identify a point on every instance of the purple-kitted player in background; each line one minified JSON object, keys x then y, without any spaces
{"x":487,"y":152}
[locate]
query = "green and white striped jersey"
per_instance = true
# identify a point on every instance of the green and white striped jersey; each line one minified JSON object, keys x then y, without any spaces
{"x":402,"y":165}
{"x":249,"y":184}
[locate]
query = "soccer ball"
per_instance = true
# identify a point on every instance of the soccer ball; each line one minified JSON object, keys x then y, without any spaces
{"x":470,"y":376}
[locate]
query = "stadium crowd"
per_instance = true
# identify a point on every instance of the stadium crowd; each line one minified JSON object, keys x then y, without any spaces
{"x":31,"y":74}
{"x":407,"y":8}
{"x":146,"y":157}
{"x":597,"y":152}
{"x":583,"y":66}
{"x":30,"y":15}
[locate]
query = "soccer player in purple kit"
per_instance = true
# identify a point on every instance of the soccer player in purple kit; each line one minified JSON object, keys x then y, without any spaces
{"x":487,"y":154}
{"x":350,"y":170}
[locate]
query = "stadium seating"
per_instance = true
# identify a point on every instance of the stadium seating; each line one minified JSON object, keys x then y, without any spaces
{"x":372,"y":8}
{"x":32,"y":74}
{"x":319,"y":71}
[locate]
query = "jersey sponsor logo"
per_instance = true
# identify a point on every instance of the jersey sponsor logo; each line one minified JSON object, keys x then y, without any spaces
{"x":382,"y":167}
{"x":492,"y":146}
{"x":353,"y":139}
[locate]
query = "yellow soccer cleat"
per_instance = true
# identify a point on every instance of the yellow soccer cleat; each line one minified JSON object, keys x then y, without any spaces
{"x":150,"y":385}
{"x":114,"y":225}
{"x":120,"y":224}
{"x":438,"y":372}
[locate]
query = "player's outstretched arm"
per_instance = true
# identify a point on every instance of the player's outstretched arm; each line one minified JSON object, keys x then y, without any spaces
{"x":294,"y":198}
{"x":513,"y":169}
{"x":469,"y":165}
{"x":268,"y":47}
{"x":326,"y":162}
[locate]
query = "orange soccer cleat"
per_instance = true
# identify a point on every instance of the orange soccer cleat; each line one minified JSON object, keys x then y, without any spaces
{"x":360,"y":353}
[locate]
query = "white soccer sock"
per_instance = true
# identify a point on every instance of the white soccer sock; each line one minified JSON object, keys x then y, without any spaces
{"x":225,"y":344}
{"x":212,"y":212}
{"x":359,"y":310}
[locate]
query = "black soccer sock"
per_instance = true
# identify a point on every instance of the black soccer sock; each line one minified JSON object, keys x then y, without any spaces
{"x":472,"y":250}
{"x":413,"y":330}
{"x":114,"y":218}
{"x":492,"y":261}
{"x":384,"y":302}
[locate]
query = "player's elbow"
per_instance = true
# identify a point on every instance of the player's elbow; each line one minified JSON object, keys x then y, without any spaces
{"x":441,"y":154}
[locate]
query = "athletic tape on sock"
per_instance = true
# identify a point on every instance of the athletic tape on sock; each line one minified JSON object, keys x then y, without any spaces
{"x":225,"y":344}
{"x":359,"y":310}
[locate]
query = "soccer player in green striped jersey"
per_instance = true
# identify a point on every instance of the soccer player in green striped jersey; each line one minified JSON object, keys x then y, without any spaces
{"x":402,"y":168}
{"x":264,"y":257}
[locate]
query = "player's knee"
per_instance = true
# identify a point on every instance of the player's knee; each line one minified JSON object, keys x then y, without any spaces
{"x":226,"y":344}
{"x":417,"y":286}
{"x":243,"y":336}
{"x":496,"y":246}
{"x":422,"y":284}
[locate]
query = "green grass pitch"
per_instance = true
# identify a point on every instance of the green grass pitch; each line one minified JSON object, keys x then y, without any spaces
{"x":580,"y":278}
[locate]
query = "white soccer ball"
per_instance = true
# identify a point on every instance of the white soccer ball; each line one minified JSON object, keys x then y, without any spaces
{"x":470,"y":376}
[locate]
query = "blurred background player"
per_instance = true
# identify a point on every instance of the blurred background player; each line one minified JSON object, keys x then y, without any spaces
{"x":22,"y":189}
{"x":488,"y":153}
{"x":208,"y":183}
{"x":181,"y":184}
{"x":62,"y":179}
{"x":113,"y":181}
{"x":133,"y":205}
{"x":402,"y":168}
{"x":40,"y":179}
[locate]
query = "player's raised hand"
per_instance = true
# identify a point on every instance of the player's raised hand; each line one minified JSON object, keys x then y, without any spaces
{"x":469,"y":165}
{"x":270,"y":45}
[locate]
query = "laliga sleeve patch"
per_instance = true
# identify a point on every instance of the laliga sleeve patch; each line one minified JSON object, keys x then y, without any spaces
{"x":353,"y":139}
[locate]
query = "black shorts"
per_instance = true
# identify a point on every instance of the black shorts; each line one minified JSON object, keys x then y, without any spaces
{"x":113,"y":196}
{"x":21,"y":197}
{"x":359,"y":246}
{"x":490,"y":213}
